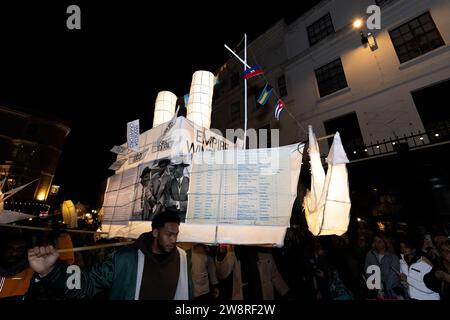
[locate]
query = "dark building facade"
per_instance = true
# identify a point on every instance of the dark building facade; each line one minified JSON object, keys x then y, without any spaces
{"x":30,"y":148}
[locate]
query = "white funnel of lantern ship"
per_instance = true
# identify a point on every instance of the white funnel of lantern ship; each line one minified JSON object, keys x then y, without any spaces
{"x":200,"y":99}
{"x":164,"y":107}
{"x":327,"y":204}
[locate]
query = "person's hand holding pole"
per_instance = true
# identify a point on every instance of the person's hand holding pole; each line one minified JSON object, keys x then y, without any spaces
{"x":42,"y":259}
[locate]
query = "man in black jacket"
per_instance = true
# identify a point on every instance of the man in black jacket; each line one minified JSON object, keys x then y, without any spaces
{"x":153,"y":268}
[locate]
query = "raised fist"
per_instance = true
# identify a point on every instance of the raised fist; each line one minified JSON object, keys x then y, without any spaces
{"x":42,"y":259}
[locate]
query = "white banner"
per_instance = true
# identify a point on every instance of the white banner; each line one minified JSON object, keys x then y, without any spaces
{"x":133,"y":135}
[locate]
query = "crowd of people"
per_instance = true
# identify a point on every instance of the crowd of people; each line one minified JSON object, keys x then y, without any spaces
{"x":366,"y":263}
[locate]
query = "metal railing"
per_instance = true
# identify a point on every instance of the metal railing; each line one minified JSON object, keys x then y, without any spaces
{"x":435,"y":134}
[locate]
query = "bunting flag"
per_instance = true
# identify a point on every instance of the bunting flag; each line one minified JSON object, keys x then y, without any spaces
{"x":265,"y":95}
{"x":253,"y":72}
{"x":278,"y":109}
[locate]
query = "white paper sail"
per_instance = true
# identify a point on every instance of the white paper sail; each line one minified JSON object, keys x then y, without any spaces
{"x":329,"y":213}
{"x":312,"y":197}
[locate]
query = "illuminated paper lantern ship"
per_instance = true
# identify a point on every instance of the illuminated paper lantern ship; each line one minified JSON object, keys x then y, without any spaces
{"x":327,"y":204}
{"x":129,"y":201}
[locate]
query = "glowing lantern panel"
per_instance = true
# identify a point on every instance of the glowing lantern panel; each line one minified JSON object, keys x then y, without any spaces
{"x":69,"y":214}
{"x":328,"y":212}
{"x":200,"y":99}
{"x":164,"y":107}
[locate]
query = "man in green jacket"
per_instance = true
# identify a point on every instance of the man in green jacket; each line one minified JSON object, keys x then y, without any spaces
{"x":153,"y":268}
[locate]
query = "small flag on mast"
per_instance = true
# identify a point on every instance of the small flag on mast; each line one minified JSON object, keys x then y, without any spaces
{"x":265,"y":95}
{"x":253,"y":72}
{"x":278,"y":109}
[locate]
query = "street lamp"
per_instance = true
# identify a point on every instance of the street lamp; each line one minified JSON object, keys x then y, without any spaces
{"x":357,"y":24}
{"x":366,"y":39}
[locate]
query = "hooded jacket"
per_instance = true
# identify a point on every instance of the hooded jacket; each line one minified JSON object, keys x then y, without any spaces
{"x":121,"y":275}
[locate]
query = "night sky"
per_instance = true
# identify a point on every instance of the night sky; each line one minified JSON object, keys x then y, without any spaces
{"x":108,"y":73}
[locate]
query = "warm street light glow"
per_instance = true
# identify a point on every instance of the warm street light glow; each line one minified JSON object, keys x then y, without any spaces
{"x":357,"y":24}
{"x":41,"y":196}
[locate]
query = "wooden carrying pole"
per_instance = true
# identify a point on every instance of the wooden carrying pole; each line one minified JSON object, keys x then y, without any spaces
{"x":100,"y":246}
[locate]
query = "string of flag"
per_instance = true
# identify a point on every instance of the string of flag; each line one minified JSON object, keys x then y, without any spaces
{"x":279,"y":106}
{"x":254,"y":71}
{"x":266,"y":92}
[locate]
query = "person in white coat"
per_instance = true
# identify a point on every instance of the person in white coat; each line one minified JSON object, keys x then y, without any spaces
{"x":413,"y":268}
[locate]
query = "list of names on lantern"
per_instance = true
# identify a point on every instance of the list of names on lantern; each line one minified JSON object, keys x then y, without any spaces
{"x":255,"y":189}
{"x":119,"y":201}
{"x":206,"y":189}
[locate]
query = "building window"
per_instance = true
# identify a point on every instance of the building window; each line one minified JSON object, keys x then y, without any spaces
{"x":350,"y":132}
{"x":282,"y":89}
{"x":416,"y":38}
{"x":235,"y":111}
{"x":320,"y":29}
{"x":436,"y":115}
{"x":331,"y":78}
{"x":234,"y":81}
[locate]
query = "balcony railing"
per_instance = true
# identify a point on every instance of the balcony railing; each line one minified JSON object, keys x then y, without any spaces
{"x":399,"y":144}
